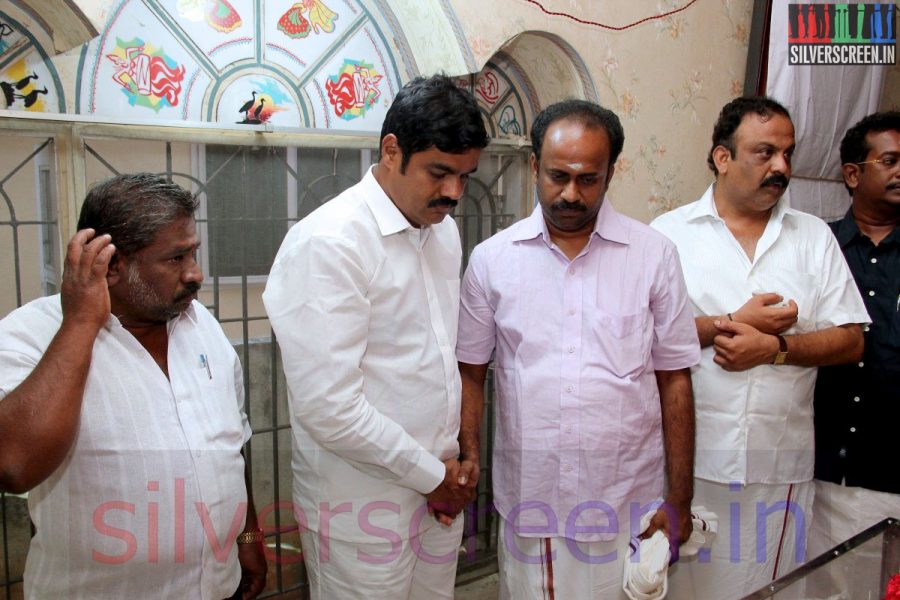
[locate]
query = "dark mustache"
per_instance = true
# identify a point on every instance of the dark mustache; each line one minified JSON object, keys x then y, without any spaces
{"x":777,"y":178}
{"x":448,"y":202}
{"x":566,"y":205}
{"x":190,"y":289}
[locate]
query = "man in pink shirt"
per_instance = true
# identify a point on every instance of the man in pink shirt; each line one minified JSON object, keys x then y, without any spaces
{"x":586,"y":315}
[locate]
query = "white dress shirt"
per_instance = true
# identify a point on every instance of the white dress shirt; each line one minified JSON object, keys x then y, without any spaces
{"x":364,"y":307}
{"x":153,"y":459}
{"x":756,"y":426}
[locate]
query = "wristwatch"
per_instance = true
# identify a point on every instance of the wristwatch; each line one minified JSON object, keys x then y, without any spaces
{"x":782,"y":353}
{"x":250,"y":537}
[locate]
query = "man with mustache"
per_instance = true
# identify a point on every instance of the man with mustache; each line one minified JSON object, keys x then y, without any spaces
{"x":121,"y":414}
{"x":364,"y":300}
{"x":773,"y":299}
{"x":856,"y":404}
{"x":586,"y":316}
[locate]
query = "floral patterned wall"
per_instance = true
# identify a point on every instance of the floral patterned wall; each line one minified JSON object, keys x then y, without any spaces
{"x":338,"y":63}
{"x":667,"y":79}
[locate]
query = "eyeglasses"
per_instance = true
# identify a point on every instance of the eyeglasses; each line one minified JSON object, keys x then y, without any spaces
{"x":888,"y":162}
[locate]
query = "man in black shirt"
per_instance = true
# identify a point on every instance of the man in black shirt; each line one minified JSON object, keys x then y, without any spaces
{"x":857,"y":406}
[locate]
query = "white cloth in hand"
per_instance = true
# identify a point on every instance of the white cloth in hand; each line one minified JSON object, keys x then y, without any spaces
{"x":706,"y":524}
{"x":647,"y":578}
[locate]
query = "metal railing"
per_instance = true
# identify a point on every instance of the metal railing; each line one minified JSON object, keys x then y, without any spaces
{"x":302,"y":170}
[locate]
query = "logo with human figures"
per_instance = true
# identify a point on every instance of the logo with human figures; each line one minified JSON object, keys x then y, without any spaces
{"x":842,"y":34}
{"x":354,"y":90}
{"x":147,"y":76}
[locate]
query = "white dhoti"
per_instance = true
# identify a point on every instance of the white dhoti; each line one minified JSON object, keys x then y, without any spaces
{"x":839,"y":513}
{"x":762,"y":533}
{"x":419,"y":568}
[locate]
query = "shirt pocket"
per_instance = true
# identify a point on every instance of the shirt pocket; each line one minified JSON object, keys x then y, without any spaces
{"x":802,"y":288}
{"x":216,"y":407}
{"x":616,"y":343}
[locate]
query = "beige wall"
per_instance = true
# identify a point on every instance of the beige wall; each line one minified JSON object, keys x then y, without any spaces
{"x":667,"y":80}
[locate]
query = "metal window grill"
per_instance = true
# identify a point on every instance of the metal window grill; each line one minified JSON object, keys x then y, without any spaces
{"x":240,"y":236}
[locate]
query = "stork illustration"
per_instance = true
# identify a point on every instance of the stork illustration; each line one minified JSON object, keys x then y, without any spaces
{"x":245,"y":108}
{"x":258,"y":110}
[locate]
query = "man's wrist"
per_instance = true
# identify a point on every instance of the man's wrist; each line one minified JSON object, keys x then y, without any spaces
{"x":781,"y":352}
{"x":679,"y":501}
{"x":470,"y":454}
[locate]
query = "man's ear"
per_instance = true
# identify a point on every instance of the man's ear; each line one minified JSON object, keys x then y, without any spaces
{"x":116,"y":271}
{"x":851,"y":175}
{"x":721,"y":155}
{"x":391,"y":155}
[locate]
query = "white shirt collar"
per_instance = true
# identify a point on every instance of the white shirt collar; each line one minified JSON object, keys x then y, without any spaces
{"x":388,"y":217}
{"x":706,"y":207}
{"x":190,"y":313}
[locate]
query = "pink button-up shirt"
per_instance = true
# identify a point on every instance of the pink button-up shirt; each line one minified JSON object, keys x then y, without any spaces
{"x":578,"y":437}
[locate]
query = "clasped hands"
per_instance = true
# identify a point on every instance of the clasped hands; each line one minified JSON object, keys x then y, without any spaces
{"x":749,"y":340}
{"x":457,"y":489}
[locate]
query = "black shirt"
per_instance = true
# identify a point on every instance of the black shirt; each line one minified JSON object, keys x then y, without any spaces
{"x":857,"y":406}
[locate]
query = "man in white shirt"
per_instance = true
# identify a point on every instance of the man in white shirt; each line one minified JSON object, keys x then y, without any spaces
{"x":364,"y":299}
{"x":121,"y":413}
{"x":773,"y":299}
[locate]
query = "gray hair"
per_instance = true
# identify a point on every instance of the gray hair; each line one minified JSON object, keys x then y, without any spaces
{"x":132,"y":208}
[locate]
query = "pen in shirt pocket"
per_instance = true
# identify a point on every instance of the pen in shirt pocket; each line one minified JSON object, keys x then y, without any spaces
{"x":205,"y":363}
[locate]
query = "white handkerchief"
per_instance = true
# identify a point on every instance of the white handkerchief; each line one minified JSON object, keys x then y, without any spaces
{"x":647,"y":579}
{"x":706,"y":524}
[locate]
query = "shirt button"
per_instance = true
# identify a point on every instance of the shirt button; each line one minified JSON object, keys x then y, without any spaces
{"x":856,"y":398}
{"x":571,"y":349}
{"x":862,"y":364}
{"x":874,"y":260}
{"x":571,"y":270}
{"x":871,"y":292}
{"x":569,"y":388}
{"x":842,"y":452}
{"x":853,"y":430}
{"x":567,"y":468}
{"x":568,"y":429}
{"x":571,"y":311}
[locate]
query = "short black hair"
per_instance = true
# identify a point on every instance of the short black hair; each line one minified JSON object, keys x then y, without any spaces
{"x":434,"y":112}
{"x":588,"y":113}
{"x":132,"y":208}
{"x":855,"y":148}
{"x":730,"y":119}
